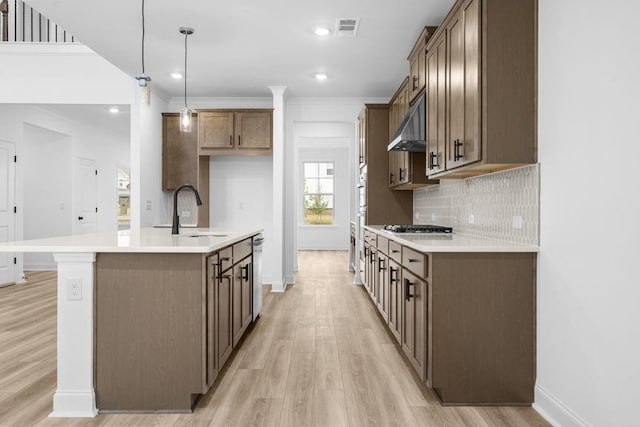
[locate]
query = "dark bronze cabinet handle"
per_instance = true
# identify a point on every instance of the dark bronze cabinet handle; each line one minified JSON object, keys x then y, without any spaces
{"x":413,"y":260}
{"x":401,"y":177}
{"x":390,"y":178}
{"x":230,"y":140}
{"x":415,"y":81}
{"x":456,"y":150}
{"x":407,"y":286}
{"x":391,"y":272}
{"x":239,"y":140}
{"x":245,"y":272}
{"x":393,"y":251}
{"x":381,"y":265}
{"x":432,"y":156}
{"x":372,"y":257}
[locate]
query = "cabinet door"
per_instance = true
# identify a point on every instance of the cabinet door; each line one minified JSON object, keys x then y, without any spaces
{"x":394,"y":280}
{"x":414,"y":321}
{"x":463,"y":83}
{"x":225,"y":333}
{"x":382,"y":295}
{"x":436,"y":92}
{"x":215,"y":129}
{"x":246,"y":278}
{"x":212,"y":320}
{"x":253,"y":130}
{"x":236,"y":310}
{"x":179,"y":154}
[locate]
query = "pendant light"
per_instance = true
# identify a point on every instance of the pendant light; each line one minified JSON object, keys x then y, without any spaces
{"x":185,"y":113}
{"x":144,"y":81}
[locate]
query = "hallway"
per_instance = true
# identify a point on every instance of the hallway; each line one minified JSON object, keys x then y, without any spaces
{"x":318,"y":356}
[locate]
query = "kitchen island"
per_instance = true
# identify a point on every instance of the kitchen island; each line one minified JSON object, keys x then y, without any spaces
{"x":146,"y":319}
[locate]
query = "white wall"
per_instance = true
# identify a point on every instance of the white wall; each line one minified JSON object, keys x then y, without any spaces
{"x":588,"y":293}
{"x":148,"y":203}
{"x":241,"y":196}
{"x":47,"y":196}
{"x":57,"y":73}
{"x":109,"y":149}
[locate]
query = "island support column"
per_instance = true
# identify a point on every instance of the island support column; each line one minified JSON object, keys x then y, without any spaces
{"x":75,"y":396}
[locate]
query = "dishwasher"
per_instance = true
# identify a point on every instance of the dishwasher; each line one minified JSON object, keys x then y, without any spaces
{"x":258,"y":241}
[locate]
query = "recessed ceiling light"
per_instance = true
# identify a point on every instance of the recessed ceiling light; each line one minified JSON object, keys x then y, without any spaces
{"x":114,"y":110}
{"x":321,"y":76}
{"x":322,"y":32}
{"x":176,"y":76}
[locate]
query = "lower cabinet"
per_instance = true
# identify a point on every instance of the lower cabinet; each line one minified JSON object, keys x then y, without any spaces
{"x":414,"y":321}
{"x":242,"y":298}
{"x":225,"y":334}
{"x":394,"y":277}
{"x":382,"y":286}
{"x":465,"y":321}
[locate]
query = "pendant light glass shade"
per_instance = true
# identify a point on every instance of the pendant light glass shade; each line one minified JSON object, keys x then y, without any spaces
{"x":186,"y":120}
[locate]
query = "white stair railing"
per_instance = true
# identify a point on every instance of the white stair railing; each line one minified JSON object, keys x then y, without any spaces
{"x":22,"y":23}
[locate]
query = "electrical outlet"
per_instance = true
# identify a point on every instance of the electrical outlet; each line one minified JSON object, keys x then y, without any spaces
{"x":517,"y":222}
{"x":241,"y":206}
{"x":74,"y":289}
{"x":433,"y":216}
{"x":472,"y":219}
{"x":185,"y":214}
{"x":148,"y":205}
{"x":416,"y":215}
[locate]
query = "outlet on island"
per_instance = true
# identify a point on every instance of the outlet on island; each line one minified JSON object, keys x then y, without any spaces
{"x":74,"y":289}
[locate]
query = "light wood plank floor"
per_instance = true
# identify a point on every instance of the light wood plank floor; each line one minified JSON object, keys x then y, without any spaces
{"x":319,"y":356}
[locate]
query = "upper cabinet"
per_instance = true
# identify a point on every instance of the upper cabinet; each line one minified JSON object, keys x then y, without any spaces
{"x":181,"y":163}
{"x":235,"y":132}
{"x":417,"y":74}
{"x":481,"y":89}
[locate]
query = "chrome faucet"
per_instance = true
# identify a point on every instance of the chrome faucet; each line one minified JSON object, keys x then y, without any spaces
{"x":175,"y":228}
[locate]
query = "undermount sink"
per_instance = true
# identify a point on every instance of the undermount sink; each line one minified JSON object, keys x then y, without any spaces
{"x":208,"y":234}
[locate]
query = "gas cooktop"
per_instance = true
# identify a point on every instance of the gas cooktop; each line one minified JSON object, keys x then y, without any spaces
{"x":399,"y":228}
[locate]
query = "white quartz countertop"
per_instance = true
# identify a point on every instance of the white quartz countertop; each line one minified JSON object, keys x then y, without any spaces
{"x":453,"y":242}
{"x":144,"y":240}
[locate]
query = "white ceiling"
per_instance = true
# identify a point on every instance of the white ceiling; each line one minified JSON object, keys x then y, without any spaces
{"x":242,"y":46}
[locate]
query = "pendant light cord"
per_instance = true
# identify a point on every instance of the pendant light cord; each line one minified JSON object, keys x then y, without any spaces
{"x":186,"y":34}
{"x":143,"y":37}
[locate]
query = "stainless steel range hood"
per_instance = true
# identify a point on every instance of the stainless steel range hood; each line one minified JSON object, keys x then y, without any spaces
{"x":411,"y":134}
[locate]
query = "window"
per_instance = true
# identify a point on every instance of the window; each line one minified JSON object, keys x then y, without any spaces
{"x":318,"y":193}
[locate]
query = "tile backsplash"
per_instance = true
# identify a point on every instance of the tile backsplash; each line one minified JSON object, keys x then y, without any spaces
{"x":186,"y":204}
{"x":503,"y":205}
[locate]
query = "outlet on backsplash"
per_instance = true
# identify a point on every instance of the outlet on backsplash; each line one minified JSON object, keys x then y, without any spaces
{"x":502,"y":205}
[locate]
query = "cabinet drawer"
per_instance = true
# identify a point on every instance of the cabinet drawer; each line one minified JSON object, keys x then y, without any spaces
{"x":226,"y":258}
{"x":415,"y":262}
{"x":370,"y":237}
{"x":395,"y":251}
{"x":383,"y":244}
{"x":242,"y":249}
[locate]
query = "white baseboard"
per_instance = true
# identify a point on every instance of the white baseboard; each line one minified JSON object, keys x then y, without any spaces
{"x":278,"y":286}
{"x":556,"y":412}
{"x":74,"y":404}
{"x":40,"y":267}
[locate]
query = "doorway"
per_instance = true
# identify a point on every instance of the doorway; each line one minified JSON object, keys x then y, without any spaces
{"x":7,"y":214}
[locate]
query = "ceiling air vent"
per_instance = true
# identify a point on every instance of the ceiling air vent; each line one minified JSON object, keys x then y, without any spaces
{"x":347,"y":27}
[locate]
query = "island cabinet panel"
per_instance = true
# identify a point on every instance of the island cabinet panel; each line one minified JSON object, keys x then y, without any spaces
{"x":482,"y":323}
{"x":150,"y":331}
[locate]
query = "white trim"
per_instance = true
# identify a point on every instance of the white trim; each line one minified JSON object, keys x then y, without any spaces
{"x":74,"y":404}
{"x":556,"y":412}
{"x":278,"y":286}
{"x":40,"y":267}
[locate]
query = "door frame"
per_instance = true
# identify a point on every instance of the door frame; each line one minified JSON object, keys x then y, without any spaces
{"x":13,"y":222}
{"x":76,"y":193}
